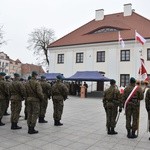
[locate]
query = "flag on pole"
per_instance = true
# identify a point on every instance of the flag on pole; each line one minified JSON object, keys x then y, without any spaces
{"x":121,"y":41}
{"x":142,"y":71}
{"x":139,"y":38}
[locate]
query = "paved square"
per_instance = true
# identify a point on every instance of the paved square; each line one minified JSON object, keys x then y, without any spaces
{"x":83,"y":129}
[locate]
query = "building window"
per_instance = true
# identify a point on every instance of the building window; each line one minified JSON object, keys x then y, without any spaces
{"x":124,"y":79}
{"x":3,"y":64}
{"x":101,"y":56}
{"x":106,"y":29}
{"x":125,"y":55}
{"x":79,"y":57}
{"x":6,"y":64}
{"x":148,"y":54}
{"x":60,"y":59}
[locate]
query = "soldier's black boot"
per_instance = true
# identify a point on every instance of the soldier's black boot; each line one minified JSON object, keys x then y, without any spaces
{"x":17,"y":127}
{"x":14,"y":126}
{"x":128,"y":133}
{"x":108,"y":130}
{"x":133,"y":135}
{"x":113,"y":131}
{"x":31,"y":130}
{"x":42,"y":120}
{"x":149,"y":138}
{"x":57,"y":123}
{"x":1,"y":123}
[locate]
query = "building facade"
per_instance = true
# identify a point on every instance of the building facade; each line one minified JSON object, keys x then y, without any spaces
{"x":95,"y":46}
{"x":26,"y":70}
{"x":4,"y":63}
{"x":15,"y":67}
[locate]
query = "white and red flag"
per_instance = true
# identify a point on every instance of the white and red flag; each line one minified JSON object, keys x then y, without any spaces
{"x":121,"y":40}
{"x":142,"y":71}
{"x":140,"y":38}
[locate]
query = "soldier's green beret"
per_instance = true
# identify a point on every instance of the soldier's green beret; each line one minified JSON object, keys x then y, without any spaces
{"x":16,"y":75}
{"x":2,"y":74}
{"x":29,"y":77}
{"x":43,"y":77}
{"x":132,"y":80}
{"x":34,"y":73}
{"x":7,"y":77}
{"x":112,"y":81}
{"x":59,"y":77}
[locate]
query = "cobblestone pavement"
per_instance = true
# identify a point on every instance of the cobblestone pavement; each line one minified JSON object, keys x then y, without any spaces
{"x":83,"y":129}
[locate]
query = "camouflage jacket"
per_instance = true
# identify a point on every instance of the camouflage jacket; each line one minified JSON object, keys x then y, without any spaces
{"x":17,"y":90}
{"x":112,"y":95}
{"x":4,"y":90}
{"x":147,"y":100}
{"x":136,"y":97}
{"x":46,"y":88}
{"x":60,"y":89}
{"x":34,"y":90}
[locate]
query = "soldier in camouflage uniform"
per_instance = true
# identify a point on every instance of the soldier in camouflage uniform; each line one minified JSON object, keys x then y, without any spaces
{"x":132,"y":108}
{"x":8,"y":80}
{"x":111,"y":102}
{"x":34,"y":97}
{"x":25,"y":103}
{"x":17,"y":95}
{"x":59,"y":94}
{"x":147,"y":105}
{"x":4,"y":94}
{"x":46,"y":88}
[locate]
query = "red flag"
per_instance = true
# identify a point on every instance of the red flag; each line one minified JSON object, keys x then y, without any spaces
{"x":121,"y":41}
{"x":139,"y":38}
{"x":143,"y":71}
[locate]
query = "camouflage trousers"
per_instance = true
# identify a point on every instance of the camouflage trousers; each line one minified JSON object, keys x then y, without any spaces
{"x":132,"y":115}
{"x":2,"y":107}
{"x":15,"y":110}
{"x":148,"y":112}
{"x":111,"y":114}
{"x":58,"y":105}
{"x":43,"y":107}
{"x":25,"y":107}
{"x":33,"y":108}
{"x":7,"y":104}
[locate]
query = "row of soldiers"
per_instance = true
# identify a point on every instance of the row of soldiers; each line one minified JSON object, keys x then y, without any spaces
{"x":130,"y":101}
{"x":36,"y":95}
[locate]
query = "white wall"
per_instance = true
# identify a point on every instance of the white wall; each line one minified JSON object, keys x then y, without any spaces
{"x":112,"y":66}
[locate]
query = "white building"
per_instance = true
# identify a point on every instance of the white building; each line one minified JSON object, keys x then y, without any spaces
{"x":4,"y":63}
{"x":95,"y":47}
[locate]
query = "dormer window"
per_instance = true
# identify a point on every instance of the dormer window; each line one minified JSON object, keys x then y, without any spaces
{"x":106,"y":29}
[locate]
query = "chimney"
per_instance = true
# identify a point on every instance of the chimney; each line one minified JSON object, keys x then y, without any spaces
{"x":127,"y":9}
{"x":99,"y":14}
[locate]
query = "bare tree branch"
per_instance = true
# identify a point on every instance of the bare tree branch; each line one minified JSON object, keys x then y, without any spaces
{"x":2,"y":36}
{"x":39,"y":40}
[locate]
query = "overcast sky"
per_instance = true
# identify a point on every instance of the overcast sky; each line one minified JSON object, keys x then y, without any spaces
{"x":21,"y":17}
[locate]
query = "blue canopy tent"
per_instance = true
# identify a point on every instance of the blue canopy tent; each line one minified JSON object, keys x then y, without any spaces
{"x":88,"y":76}
{"x":51,"y":76}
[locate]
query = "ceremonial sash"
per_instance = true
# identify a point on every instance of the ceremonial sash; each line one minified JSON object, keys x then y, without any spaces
{"x":130,"y":96}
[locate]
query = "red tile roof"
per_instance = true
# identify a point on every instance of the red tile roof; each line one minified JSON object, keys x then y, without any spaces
{"x":28,"y":68}
{"x":127,"y":26}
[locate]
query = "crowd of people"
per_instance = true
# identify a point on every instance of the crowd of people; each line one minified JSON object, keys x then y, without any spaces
{"x":115,"y":100}
{"x":36,"y":94}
